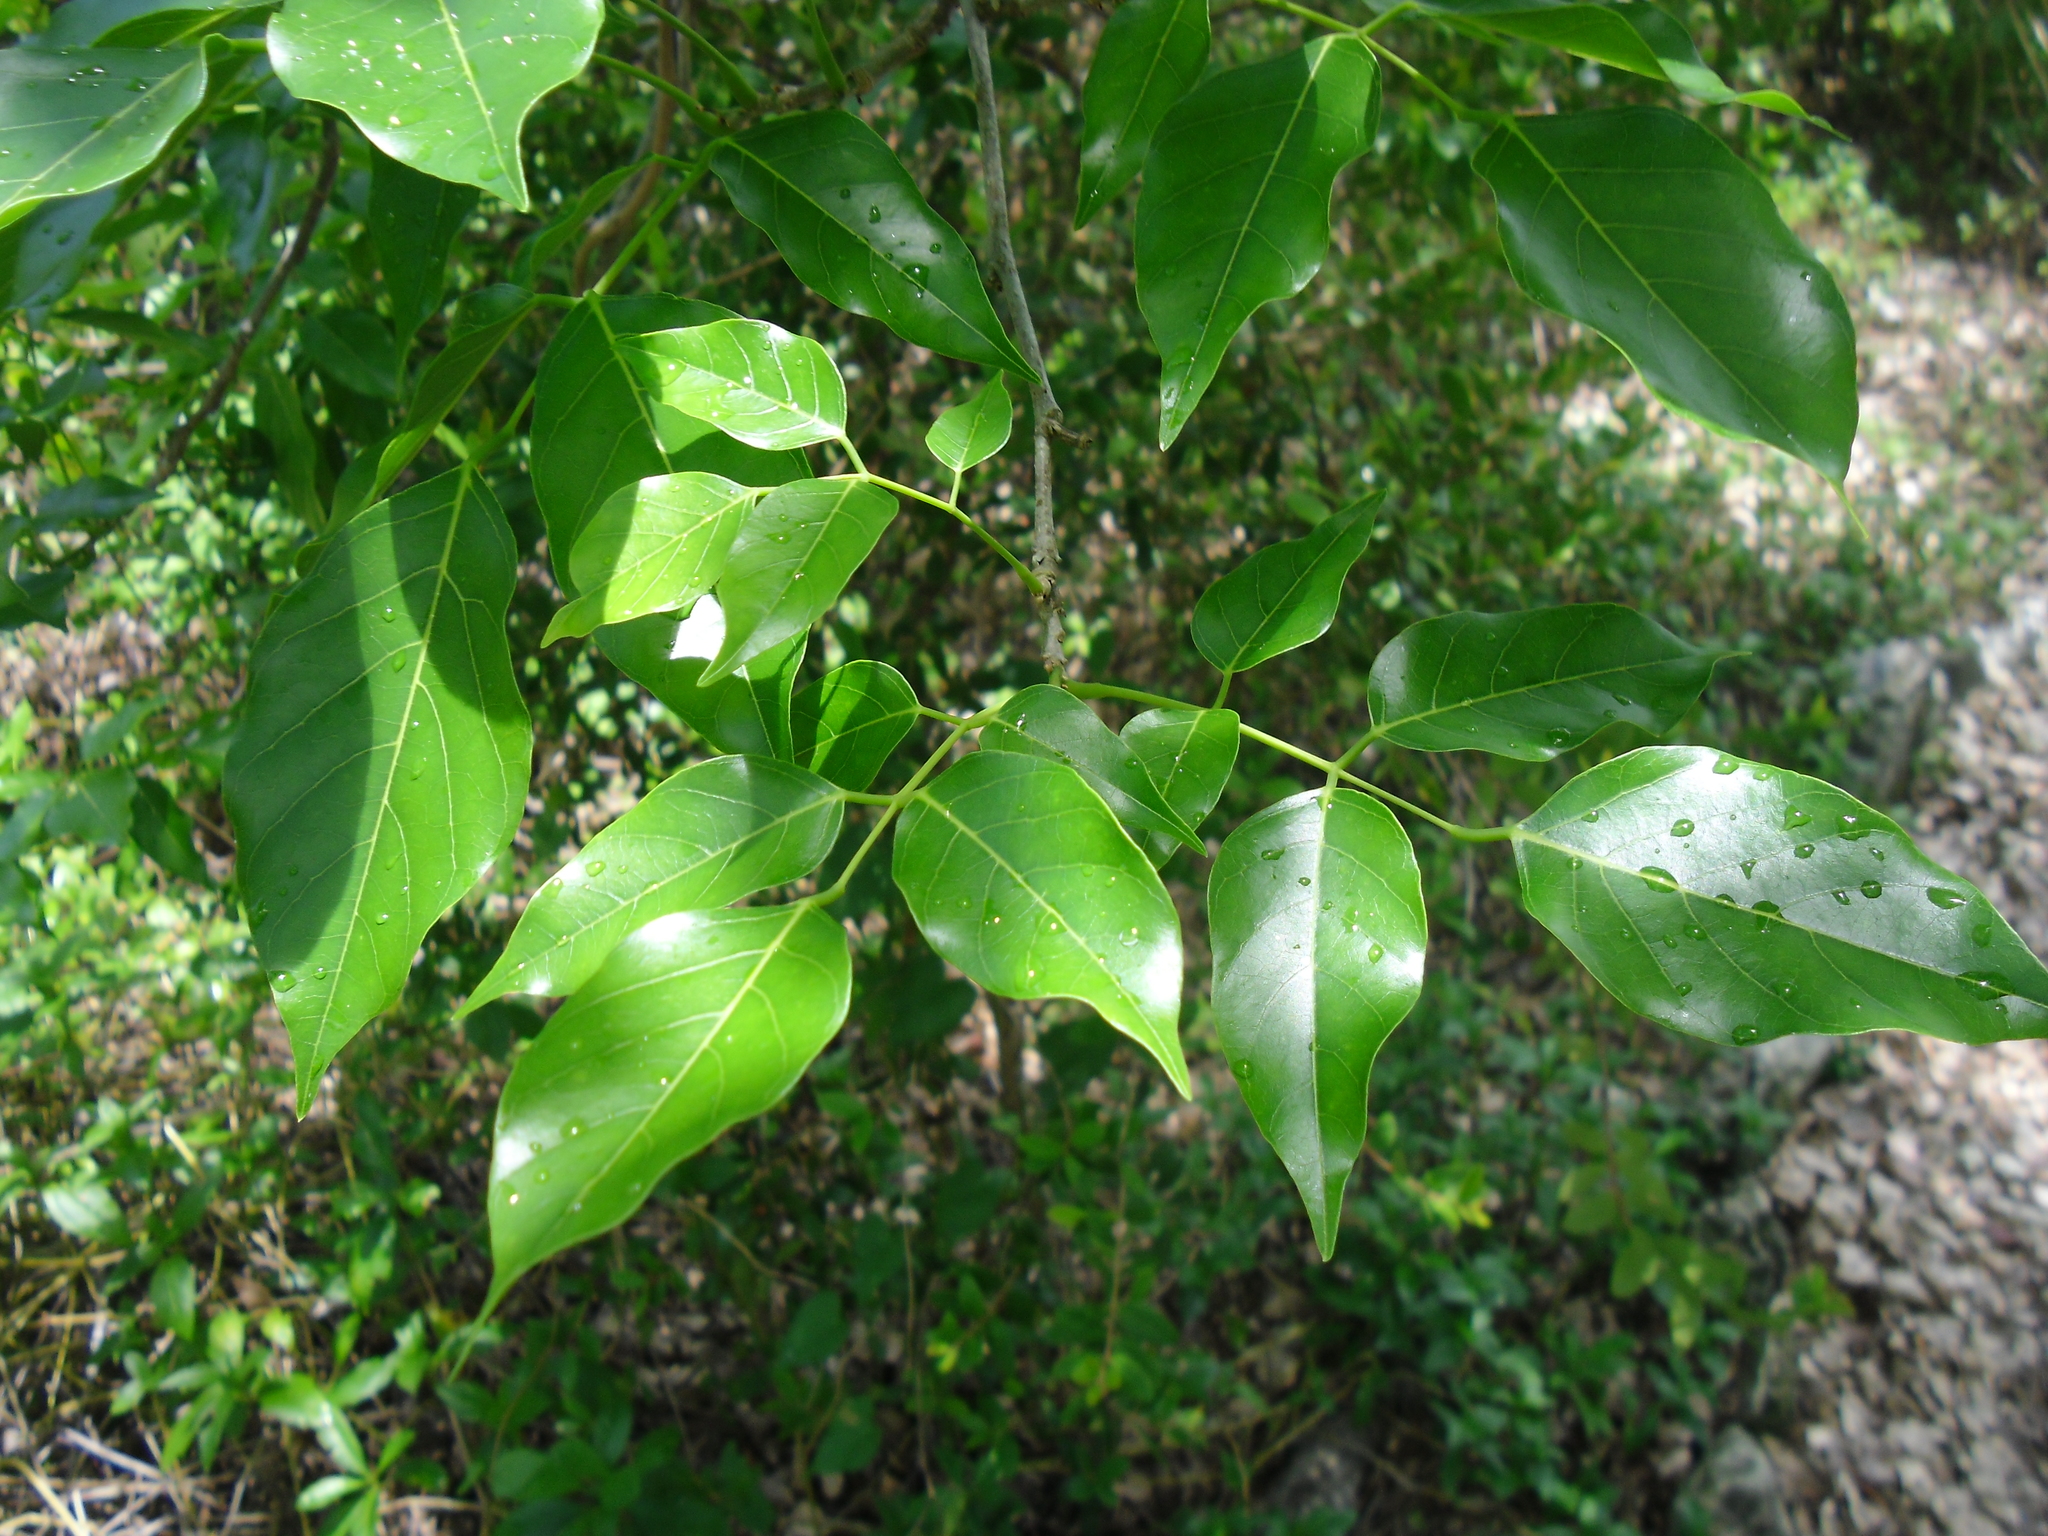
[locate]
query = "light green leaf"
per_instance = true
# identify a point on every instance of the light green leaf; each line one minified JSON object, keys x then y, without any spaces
{"x":87,"y":1211}
{"x":747,"y":712}
{"x":845,"y":725}
{"x":698,"y":1021}
{"x":1284,"y":596}
{"x":752,"y":380}
{"x":1017,"y":873}
{"x":792,"y":559}
{"x":326,"y":1491}
{"x":1235,"y":210}
{"x":299,"y":1402}
{"x":382,"y":761}
{"x":656,"y":545}
{"x":973,"y":431}
{"x":1151,"y":54}
{"x":596,"y":430}
{"x":1049,"y":722}
{"x":1315,"y":912}
{"x":172,"y":1292}
{"x":442,"y":85}
{"x":1535,"y":683}
{"x":1189,"y":754}
{"x":78,"y":119}
{"x":1641,"y":224}
{"x":1739,"y":902}
{"x":853,"y":227}
{"x":703,"y":838}
{"x":414,"y":219}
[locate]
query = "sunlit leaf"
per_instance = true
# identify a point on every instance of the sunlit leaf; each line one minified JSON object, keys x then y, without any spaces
{"x":1150,"y":55}
{"x":1049,"y":722}
{"x":1284,"y":596}
{"x":1189,"y":754}
{"x":974,"y":430}
{"x":751,"y":380}
{"x":748,"y":711}
{"x":655,"y":545}
{"x":845,"y":725}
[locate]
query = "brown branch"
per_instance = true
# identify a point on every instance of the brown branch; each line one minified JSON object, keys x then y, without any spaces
{"x":656,"y":143}
{"x":323,"y":185}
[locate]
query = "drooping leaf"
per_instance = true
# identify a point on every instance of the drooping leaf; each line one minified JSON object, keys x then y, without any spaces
{"x":354,"y":348}
{"x":1739,"y":902}
{"x":1235,"y":210}
{"x":845,"y":725}
{"x":96,"y":807}
{"x":747,"y":712}
{"x":698,"y":1021}
{"x":78,"y":119}
{"x":752,"y":380}
{"x":656,"y":545}
{"x":281,"y":417}
{"x":1189,"y":754}
{"x":794,"y":553}
{"x":43,"y":252}
{"x":702,"y":838}
{"x":247,"y":176}
{"x":1019,"y":875}
{"x":414,"y":219}
{"x":382,"y":760}
{"x":1641,"y":224}
{"x":1049,"y":722}
{"x":1284,"y":596}
{"x":1151,"y":54}
{"x":853,"y":227}
{"x":1535,"y":683}
{"x":163,"y":830}
{"x":442,"y":85}
{"x":973,"y":431}
{"x":595,"y":429}
{"x":1315,"y":912}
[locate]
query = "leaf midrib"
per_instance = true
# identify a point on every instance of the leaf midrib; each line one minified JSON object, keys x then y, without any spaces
{"x":476,"y":92}
{"x":1509,"y":693}
{"x":150,"y":98}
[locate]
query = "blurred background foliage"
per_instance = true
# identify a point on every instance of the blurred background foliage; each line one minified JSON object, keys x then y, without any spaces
{"x":897,"y":1304}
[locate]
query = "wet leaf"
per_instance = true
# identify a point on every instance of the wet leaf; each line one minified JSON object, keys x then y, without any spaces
{"x":1150,"y":55}
{"x":1284,"y":596}
{"x":752,"y":380}
{"x":973,"y":431}
{"x":1049,"y":722}
{"x":656,"y":545}
{"x":845,"y":725}
{"x":1189,"y":754}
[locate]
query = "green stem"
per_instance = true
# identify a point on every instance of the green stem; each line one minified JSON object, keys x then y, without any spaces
{"x":893,"y":805}
{"x":1223,"y":691}
{"x":856,"y":797}
{"x":742,"y":88}
{"x":1365,"y":35}
{"x":834,"y":75}
{"x":1111,"y":691}
{"x":1373,"y":26}
{"x":1462,"y":834}
{"x":1024,"y":572}
{"x":692,"y":107}
{"x":648,"y":225}
{"x":504,"y":434}
{"x":853,"y":455}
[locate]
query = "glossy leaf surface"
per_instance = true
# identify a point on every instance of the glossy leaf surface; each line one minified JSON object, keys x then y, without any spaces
{"x":1047,"y":721}
{"x":751,"y":380}
{"x":1641,"y":224}
{"x":845,"y":725}
{"x":973,"y":431}
{"x":1533,"y":684}
{"x":1235,"y":210}
{"x":794,"y":553}
{"x":852,"y":225}
{"x":1188,"y":753}
{"x":414,"y":219}
{"x":1284,"y":596}
{"x":746,"y":712}
{"x":1739,"y":902}
{"x":658,"y":544}
{"x":442,"y":85}
{"x":1018,"y":874}
{"x":1151,"y":54}
{"x":696,"y":1022}
{"x":382,"y":760}
{"x":1316,"y":917}
{"x":702,"y":838}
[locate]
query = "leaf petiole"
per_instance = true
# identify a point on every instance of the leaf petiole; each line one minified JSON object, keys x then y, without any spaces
{"x":1024,"y":572}
{"x":1462,"y":834}
{"x":893,"y":806}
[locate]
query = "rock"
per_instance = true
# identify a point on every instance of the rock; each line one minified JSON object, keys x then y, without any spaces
{"x":1737,"y":1491}
{"x":1326,"y":1476}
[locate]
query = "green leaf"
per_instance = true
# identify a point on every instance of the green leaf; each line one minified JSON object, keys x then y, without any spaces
{"x":1235,"y":210}
{"x":791,"y":560}
{"x":94,"y":806}
{"x":162,"y":829}
{"x":1532,"y":684}
{"x":704,"y":838}
{"x":79,"y":119}
{"x":43,"y":253}
{"x":131,"y":24}
{"x":752,"y":380}
{"x":844,"y":726}
{"x":1151,"y":54}
{"x":1047,"y":721}
{"x":1018,"y":874}
{"x":596,"y":430}
{"x":656,"y":545}
{"x":974,"y":431}
{"x":698,"y":1021}
{"x":1641,"y":224}
{"x":853,"y":227}
{"x":1188,"y":753}
{"x":747,"y":712}
{"x":1315,"y":913}
{"x":281,"y":417}
{"x":172,"y":1292}
{"x":382,"y":760}
{"x":442,"y":85}
{"x":1285,"y":595}
{"x":815,"y":1334}
{"x":299,"y":1402}
{"x":414,"y":220}
{"x":87,"y":1211}
{"x":1739,"y":903}
{"x":354,"y":348}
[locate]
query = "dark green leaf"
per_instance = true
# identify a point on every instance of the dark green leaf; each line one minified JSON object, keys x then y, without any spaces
{"x":696,"y":1022}
{"x":1739,"y":902}
{"x":1315,"y":912}
{"x":1151,"y":54}
{"x":656,"y":545}
{"x":1018,"y":874}
{"x":1235,"y":210}
{"x":1049,"y":722}
{"x":753,"y":381}
{"x":163,"y":830}
{"x":973,"y":431}
{"x":355,"y":349}
{"x":746,"y":712}
{"x":816,"y":1333}
{"x":281,"y":417}
{"x":853,"y":227}
{"x":42,"y":253}
{"x":1189,"y":754}
{"x":246,"y":173}
{"x":851,"y":1441}
{"x":1284,"y":596}
{"x":1532,"y":684}
{"x":1641,"y":224}
{"x":414,"y":219}
{"x":845,"y":725}
{"x":96,"y":807}
{"x":382,"y":761}
{"x":709,"y":835}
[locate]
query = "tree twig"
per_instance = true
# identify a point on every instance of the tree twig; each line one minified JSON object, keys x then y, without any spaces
{"x":323,"y":185}
{"x":656,"y":143}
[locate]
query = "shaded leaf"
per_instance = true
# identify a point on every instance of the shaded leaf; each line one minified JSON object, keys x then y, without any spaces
{"x":414,"y":219}
{"x":1047,"y":721}
{"x":844,"y":726}
{"x":656,"y":545}
{"x":43,"y":252}
{"x":746,"y":712}
{"x":753,"y":381}
{"x":973,"y":431}
{"x":162,"y":829}
{"x":1189,"y":754}
{"x":1284,"y":596}
{"x":1150,"y":55}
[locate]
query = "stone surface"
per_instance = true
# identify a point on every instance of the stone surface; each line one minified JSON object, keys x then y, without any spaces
{"x":1737,"y":1491}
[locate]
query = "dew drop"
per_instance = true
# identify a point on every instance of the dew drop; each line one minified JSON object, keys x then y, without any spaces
{"x":1746,"y":1034}
{"x":845,"y":193}
{"x":1695,"y":932}
{"x":1748,"y":868}
{"x":398,"y":663}
{"x":291,"y":869}
{"x":533,"y":1146}
{"x":1375,"y":955}
{"x":874,"y":214}
{"x":595,"y":867}
{"x":1304,"y":880}
{"x":1725,"y":764}
{"x":1684,"y":988}
{"x":575,"y":1128}
{"x":1242,"y":1071}
{"x":390,"y":614}
{"x":1328,"y":905}
{"x":513,"y":1201}
{"x":1658,"y":879}
{"x":1872,"y":888}
{"x":1270,"y":853}
{"x":936,"y":247}
{"x":1765,"y":911}
{"x":1945,"y":898}
{"x":1578,"y":863}
{"x":1981,"y":935}
{"x":1840,"y":896}
{"x":1795,"y":817}
{"x":1590,"y":816}
{"x":383,"y":918}
{"x":1803,"y":851}
{"x":284,"y":981}
{"x":1785,"y":989}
